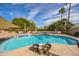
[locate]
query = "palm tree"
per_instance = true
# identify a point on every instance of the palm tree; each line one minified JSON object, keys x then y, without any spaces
{"x":66,"y":23}
{"x":69,"y":10}
{"x":62,"y":11}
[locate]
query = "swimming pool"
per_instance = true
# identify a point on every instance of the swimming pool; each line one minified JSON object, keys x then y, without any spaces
{"x":22,"y":41}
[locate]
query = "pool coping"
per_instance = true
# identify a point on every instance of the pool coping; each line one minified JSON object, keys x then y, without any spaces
{"x":5,"y":38}
{"x":61,"y":35}
{"x":66,"y":36}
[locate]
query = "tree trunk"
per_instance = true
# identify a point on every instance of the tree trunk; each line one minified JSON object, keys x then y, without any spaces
{"x":61,"y":16}
{"x":67,"y":28}
{"x":69,"y":11}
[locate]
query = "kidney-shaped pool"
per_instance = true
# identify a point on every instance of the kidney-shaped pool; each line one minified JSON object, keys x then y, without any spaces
{"x":18,"y":42}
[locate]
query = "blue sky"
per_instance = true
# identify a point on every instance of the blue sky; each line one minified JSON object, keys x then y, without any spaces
{"x":43,"y":14}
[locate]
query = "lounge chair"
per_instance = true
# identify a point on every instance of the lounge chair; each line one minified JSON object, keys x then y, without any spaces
{"x":46,"y":48}
{"x":40,"y":49}
{"x":78,"y":44}
{"x":34,"y":48}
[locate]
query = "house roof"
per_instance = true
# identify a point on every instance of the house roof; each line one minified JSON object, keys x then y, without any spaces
{"x":6,"y":24}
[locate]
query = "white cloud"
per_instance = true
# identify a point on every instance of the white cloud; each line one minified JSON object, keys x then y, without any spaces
{"x":50,"y":21}
{"x":27,"y":5}
{"x":50,"y":13}
{"x":74,"y":18}
{"x":11,"y":13}
{"x":33,"y":13}
{"x":72,"y":5}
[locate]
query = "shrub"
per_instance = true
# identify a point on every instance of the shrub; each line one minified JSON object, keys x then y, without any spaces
{"x":76,"y":33}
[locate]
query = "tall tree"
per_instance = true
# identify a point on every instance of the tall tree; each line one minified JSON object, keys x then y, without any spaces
{"x":62,"y":11}
{"x":59,"y":25}
{"x":24,"y":24}
{"x":66,"y":23}
{"x":68,"y":10}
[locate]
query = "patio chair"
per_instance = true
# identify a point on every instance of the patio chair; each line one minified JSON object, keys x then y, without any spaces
{"x":34,"y":48}
{"x":46,"y":48}
{"x":40,"y":49}
{"x":78,"y":44}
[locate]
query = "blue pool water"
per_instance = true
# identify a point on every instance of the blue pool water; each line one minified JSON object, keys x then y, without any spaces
{"x":18,"y":42}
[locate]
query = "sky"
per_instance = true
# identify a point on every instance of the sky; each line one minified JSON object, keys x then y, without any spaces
{"x":43,"y":14}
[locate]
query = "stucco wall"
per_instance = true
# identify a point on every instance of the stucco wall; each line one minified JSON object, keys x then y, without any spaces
{"x":73,"y":30}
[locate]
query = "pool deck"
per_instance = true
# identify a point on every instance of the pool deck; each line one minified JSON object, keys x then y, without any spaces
{"x":58,"y":49}
{"x":6,"y":35}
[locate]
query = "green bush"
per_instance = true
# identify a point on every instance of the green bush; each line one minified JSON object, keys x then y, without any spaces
{"x":76,"y":33}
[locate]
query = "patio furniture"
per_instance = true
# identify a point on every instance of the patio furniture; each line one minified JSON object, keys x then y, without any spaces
{"x":34,"y":48}
{"x":40,"y":50}
{"x":46,"y":48}
{"x":43,"y":49}
{"x":78,"y":44}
